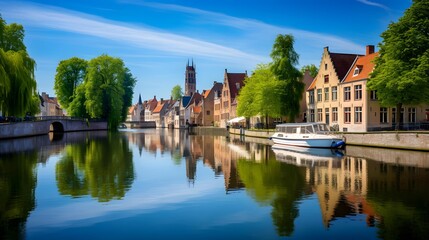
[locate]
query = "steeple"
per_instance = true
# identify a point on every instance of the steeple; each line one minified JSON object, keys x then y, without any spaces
{"x":190,"y":79}
{"x":140,"y":99}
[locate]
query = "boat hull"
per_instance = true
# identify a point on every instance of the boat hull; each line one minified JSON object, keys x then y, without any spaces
{"x":313,"y":142}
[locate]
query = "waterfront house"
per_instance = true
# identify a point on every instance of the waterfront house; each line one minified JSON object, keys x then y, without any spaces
{"x":136,"y":111}
{"x":207,"y":104}
{"x":324,"y":100}
{"x":49,"y":106}
{"x":150,"y":105}
{"x":232,"y":84}
{"x":339,"y":97}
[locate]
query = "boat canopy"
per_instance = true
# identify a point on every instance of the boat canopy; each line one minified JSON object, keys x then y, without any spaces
{"x":302,"y":127}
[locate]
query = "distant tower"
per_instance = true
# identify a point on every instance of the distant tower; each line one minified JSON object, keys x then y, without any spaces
{"x":190,"y":79}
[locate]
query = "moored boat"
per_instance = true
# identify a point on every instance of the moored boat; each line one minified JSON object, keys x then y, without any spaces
{"x":315,"y":135}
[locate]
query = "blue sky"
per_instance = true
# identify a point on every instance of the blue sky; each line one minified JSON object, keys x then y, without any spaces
{"x":156,"y":38}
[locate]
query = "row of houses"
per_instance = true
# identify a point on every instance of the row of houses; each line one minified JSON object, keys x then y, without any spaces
{"x":337,"y":96}
{"x":211,"y":107}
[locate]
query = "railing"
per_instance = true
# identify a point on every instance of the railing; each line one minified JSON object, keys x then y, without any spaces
{"x":403,"y":126}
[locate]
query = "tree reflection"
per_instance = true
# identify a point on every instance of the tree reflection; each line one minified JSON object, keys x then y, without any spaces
{"x":102,"y":168}
{"x":17,"y":186}
{"x":278,"y":184}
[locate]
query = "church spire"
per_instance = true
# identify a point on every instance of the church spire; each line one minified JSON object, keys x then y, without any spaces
{"x":140,"y":99}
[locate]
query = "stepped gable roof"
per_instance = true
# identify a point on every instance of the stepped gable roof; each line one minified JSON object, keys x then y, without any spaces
{"x":233,"y":79}
{"x":342,"y":63}
{"x":365,"y":65}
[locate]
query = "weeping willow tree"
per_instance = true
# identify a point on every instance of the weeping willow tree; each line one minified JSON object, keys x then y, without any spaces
{"x":17,"y":82}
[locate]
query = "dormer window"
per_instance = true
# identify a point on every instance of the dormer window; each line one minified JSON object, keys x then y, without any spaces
{"x":357,"y":70}
{"x":238,"y":86}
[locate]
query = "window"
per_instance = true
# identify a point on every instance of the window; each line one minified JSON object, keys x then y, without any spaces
{"x":326,"y":94}
{"x":334,"y":114}
{"x":358,"y":92}
{"x":346,"y":93}
{"x":373,"y":94}
{"x":327,"y":115}
{"x":326,"y":66}
{"x":383,"y":115}
{"x":326,"y":78}
{"x":401,"y":115}
{"x":208,"y":112}
{"x":237,"y":85}
{"x":334,"y":93}
{"x":358,"y":114}
{"x":311,"y":115}
{"x":225,"y":104}
{"x":311,"y":97}
{"x":319,"y":95}
{"x":411,"y":115}
{"x":356,"y":72}
{"x":319,"y":115}
{"x":347,"y":115}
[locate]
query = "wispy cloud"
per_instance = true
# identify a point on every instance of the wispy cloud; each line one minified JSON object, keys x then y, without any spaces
{"x":373,"y":4}
{"x":76,"y":22}
{"x":310,"y":38}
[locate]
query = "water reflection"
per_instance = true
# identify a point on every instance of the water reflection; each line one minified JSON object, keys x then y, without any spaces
{"x":383,"y":191}
{"x":17,"y":185}
{"x":102,"y":168}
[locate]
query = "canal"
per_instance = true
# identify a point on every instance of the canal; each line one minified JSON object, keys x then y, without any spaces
{"x":168,"y":184}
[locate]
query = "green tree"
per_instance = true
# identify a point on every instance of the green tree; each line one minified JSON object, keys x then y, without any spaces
{"x":284,"y":61}
{"x":128,"y":85}
{"x":312,"y":68}
{"x":17,"y":82}
{"x":77,"y":107}
{"x":104,"y":89}
{"x":70,"y":74}
{"x":176,"y":92}
{"x":401,"y":73}
{"x":261,"y":94}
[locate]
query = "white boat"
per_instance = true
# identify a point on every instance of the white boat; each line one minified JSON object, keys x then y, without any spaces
{"x":315,"y":135}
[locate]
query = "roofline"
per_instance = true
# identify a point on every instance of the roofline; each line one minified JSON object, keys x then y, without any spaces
{"x":353,"y":64}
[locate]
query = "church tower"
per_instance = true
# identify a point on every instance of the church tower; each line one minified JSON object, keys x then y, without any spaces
{"x":190,"y":79}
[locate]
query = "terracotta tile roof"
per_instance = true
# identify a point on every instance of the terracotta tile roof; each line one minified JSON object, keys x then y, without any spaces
{"x":365,"y":65}
{"x":342,"y":63}
{"x":233,"y":79}
{"x":196,"y":109}
{"x":158,"y":107}
{"x":206,"y":93}
{"x":131,"y":109}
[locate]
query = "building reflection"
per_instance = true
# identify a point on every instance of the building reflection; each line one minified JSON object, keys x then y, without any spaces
{"x":358,"y":182}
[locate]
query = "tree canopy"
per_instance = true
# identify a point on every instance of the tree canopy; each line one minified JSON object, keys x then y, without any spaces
{"x":261,"y":94}
{"x":17,"y":81}
{"x":401,"y":73}
{"x":70,"y":74}
{"x":100,"y":88}
{"x":284,"y":61}
{"x":311,"y":68}
{"x":176,"y":92}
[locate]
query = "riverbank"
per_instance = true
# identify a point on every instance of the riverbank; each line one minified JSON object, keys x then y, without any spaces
{"x":416,"y":140}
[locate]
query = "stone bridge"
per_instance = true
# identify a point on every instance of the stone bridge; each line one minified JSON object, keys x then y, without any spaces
{"x":46,"y":124}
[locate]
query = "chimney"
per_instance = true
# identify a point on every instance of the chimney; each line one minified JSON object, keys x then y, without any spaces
{"x":162,"y":99}
{"x":369,"y":49}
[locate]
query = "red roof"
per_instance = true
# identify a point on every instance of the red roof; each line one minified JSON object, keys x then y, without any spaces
{"x":158,"y":107}
{"x":365,"y":65}
{"x":233,"y":79}
{"x":342,"y":63}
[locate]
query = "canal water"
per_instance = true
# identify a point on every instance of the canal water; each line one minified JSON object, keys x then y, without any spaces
{"x":168,"y":184}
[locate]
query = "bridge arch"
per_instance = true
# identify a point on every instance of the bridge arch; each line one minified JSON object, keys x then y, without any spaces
{"x":56,"y":127}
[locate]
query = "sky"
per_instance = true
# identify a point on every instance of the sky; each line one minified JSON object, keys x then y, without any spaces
{"x":156,"y":39}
